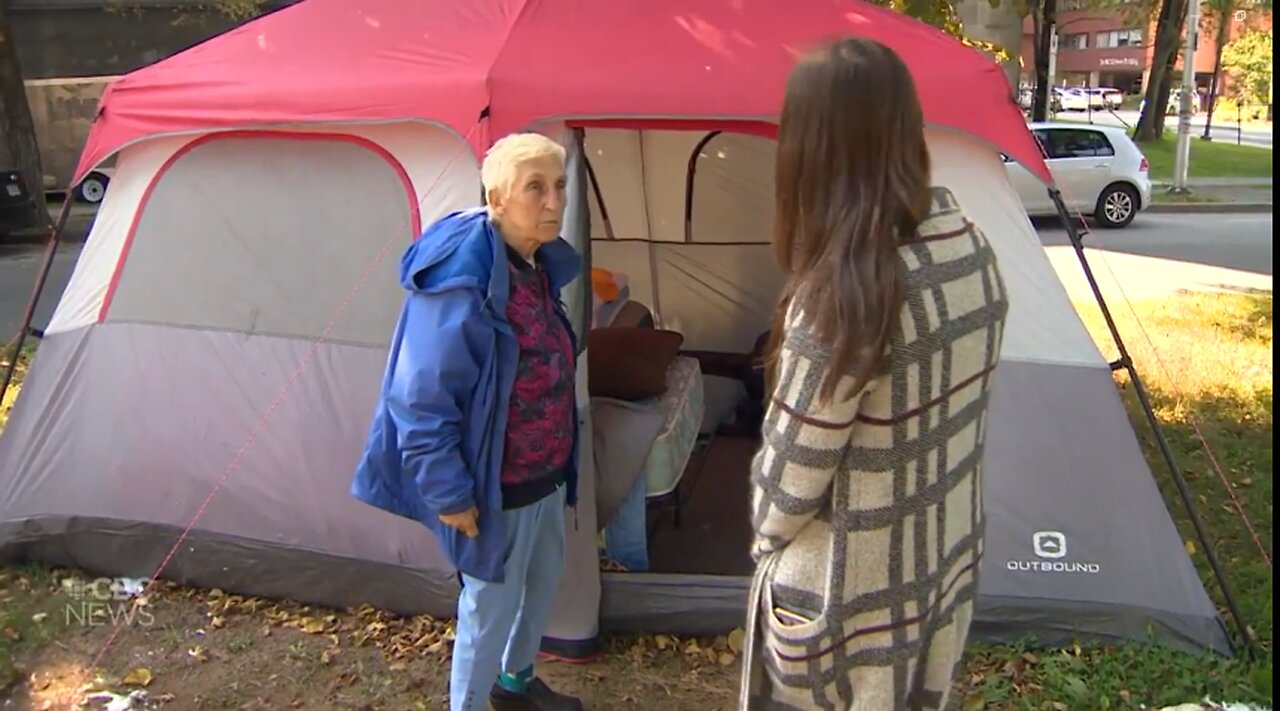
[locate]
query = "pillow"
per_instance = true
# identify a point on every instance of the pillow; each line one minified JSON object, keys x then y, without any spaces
{"x":630,"y":363}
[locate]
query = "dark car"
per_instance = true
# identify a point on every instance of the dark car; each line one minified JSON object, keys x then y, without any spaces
{"x":17,"y":208}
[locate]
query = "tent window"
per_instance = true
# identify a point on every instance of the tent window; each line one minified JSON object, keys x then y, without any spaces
{"x":599,"y":196}
{"x":729,"y":188}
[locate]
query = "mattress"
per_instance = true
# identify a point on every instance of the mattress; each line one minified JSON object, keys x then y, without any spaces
{"x":683,"y":407}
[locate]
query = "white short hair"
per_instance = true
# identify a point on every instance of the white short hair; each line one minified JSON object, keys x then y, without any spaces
{"x":504,"y":158}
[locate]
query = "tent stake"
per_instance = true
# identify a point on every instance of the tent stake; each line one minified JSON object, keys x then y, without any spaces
{"x":1125,"y":362}
{"x":51,"y":248}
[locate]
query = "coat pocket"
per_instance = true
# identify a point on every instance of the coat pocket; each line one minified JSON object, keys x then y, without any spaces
{"x":791,"y":636}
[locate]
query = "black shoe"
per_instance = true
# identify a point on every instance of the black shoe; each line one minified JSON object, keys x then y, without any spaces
{"x":538,"y":697}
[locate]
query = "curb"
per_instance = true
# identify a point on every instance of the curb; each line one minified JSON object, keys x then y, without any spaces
{"x":1203,"y":208}
{"x":1218,"y":184}
{"x":34,"y":238}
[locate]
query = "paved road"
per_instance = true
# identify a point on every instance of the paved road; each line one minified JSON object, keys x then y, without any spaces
{"x":1155,"y":255}
{"x":19,"y":267}
{"x":1224,"y":127}
{"x":1161,"y":254}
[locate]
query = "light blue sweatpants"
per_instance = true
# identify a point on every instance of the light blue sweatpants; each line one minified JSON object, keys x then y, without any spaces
{"x":500,"y":626}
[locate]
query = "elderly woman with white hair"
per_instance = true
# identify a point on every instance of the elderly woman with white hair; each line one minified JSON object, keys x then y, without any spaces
{"x":476,"y":432}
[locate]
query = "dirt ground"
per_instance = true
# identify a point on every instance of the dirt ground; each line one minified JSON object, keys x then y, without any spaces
{"x":183,"y":649}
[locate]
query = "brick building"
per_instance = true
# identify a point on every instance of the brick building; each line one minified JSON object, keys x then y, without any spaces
{"x":1105,"y":48}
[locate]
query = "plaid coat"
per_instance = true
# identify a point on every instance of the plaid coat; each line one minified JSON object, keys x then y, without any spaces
{"x":868,"y":511}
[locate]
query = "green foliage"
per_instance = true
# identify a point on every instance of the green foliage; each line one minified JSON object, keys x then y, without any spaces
{"x":942,"y":14}
{"x":1248,"y":61}
{"x":1137,"y":13}
{"x":234,"y":10}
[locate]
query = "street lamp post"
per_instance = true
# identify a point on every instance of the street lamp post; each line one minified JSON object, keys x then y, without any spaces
{"x":1182,"y":158}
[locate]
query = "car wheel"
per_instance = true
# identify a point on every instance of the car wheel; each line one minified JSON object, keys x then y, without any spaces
{"x":92,"y":189}
{"x":1117,"y":206}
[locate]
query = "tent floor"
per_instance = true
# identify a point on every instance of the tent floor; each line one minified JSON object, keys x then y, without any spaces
{"x":713,"y":534}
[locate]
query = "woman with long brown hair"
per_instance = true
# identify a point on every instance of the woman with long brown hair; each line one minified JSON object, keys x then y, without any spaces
{"x":866,"y":493}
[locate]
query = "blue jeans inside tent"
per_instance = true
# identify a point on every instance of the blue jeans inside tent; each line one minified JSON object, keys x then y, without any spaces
{"x":626,"y":537}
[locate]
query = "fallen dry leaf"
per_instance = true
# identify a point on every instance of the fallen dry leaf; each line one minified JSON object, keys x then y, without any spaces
{"x":311,"y":625}
{"x":137,"y":677}
{"x":737,"y":639}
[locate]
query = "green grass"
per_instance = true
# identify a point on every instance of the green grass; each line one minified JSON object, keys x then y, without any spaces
{"x":17,"y":630}
{"x":1211,"y":364}
{"x":1209,"y":159}
{"x":10,"y":396}
{"x":21,"y":630}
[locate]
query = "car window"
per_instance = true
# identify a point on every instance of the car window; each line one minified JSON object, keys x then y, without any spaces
{"x":1074,"y":143}
{"x":1041,"y":142}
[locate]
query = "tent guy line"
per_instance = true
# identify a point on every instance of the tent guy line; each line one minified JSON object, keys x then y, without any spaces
{"x":1125,"y":362}
{"x":287,"y":387}
{"x":1195,"y":423}
{"x":1191,"y":418}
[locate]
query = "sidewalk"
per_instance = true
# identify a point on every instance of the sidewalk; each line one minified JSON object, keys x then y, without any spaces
{"x":1210,"y":182}
{"x":1215,"y":195}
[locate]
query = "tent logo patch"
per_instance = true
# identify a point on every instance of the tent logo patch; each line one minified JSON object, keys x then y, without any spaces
{"x":1050,"y":547}
{"x":1050,"y":544}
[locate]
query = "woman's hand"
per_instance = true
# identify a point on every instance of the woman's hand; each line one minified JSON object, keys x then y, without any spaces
{"x":465,"y":522}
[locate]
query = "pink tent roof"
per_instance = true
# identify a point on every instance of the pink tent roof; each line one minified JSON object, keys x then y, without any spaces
{"x":721,"y":63}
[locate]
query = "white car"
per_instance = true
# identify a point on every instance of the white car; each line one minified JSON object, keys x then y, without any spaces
{"x":1107,"y":97}
{"x":1072,"y":99}
{"x":1099,"y":170}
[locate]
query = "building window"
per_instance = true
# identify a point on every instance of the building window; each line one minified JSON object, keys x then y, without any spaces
{"x":1076,"y":41}
{"x":1116,"y":39}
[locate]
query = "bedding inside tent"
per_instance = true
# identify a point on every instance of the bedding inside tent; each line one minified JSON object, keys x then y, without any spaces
{"x":691,"y":257}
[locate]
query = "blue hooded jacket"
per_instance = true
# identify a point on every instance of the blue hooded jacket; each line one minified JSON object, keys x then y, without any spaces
{"x":436,"y":441}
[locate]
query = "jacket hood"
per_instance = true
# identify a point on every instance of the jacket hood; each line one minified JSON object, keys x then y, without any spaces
{"x":458,"y":251}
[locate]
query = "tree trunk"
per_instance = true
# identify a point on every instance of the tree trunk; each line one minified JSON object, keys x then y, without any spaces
{"x":1223,"y":30}
{"x":1160,"y":83}
{"x":16,"y":125}
{"x":1040,"y":102}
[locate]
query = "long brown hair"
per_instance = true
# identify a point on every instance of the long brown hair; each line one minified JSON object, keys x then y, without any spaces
{"x":851,"y":183}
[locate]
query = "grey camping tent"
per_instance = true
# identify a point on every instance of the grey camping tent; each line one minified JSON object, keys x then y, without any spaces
{"x":204,"y":386}
{"x":208,"y":376}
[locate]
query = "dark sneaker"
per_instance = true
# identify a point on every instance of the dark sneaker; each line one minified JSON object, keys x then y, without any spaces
{"x":538,"y":697}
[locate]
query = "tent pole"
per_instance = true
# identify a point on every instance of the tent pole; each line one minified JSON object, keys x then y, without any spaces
{"x":51,"y":248}
{"x":1144,"y":399}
